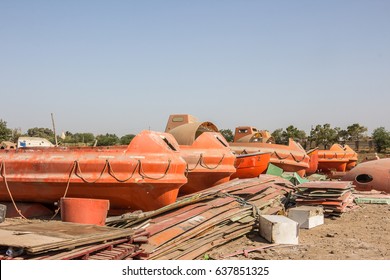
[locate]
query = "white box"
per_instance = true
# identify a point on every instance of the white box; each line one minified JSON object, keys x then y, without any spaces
{"x":307,"y":216}
{"x":279,"y":229}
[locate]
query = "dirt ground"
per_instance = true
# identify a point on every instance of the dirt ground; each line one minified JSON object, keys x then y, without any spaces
{"x":361,"y":234}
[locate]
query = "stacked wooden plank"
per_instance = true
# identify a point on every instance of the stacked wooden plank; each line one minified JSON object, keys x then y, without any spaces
{"x":371,"y":197}
{"x":183,"y":230}
{"x":335,"y":196}
{"x":56,"y":240}
{"x":197,"y":223}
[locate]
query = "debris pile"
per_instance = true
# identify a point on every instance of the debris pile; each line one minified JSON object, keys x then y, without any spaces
{"x":371,"y":197}
{"x":197,"y":223}
{"x":335,"y":197}
{"x":55,"y":240}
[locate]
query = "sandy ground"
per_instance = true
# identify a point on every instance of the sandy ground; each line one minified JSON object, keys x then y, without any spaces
{"x":360,"y":234}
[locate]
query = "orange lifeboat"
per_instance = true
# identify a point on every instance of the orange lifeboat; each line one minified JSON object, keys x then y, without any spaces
{"x":251,"y":165}
{"x":370,"y":175}
{"x":145,"y":175}
{"x":313,"y":163}
{"x":209,"y":159}
{"x":337,"y":158}
{"x":352,"y":156}
{"x":291,"y":157}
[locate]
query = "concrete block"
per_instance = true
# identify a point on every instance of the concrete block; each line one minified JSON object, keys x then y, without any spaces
{"x":307,"y":216}
{"x":279,"y":229}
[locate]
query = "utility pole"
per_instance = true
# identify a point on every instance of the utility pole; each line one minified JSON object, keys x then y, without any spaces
{"x":54,"y":129}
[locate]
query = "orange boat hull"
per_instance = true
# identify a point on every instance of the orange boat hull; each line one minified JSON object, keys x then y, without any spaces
{"x":313,"y":163}
{"x":327,"y":165}
{"x":251,"y":165}
{"x":337,"y":158}
{"x":209,"y":162}
{"x":291,"y":158}
{"x":353,"y":157}
{"x":370,"y":175}
{"x":146,"y":175}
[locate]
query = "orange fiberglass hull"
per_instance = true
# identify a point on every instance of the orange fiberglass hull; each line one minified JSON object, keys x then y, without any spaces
{"x":370,"y":175}
{"x":291,"y":157}
{"x":251,"y":165}
{"x":313,"y":163}
{"x":352,"y":156}
{"x":209,"y":162}
{"x":337,"y":158}
{"x":146,"y":175}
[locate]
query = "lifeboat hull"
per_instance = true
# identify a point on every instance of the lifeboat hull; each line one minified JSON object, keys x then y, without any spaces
{"x":209,"y":162}
{"x":337,"y":158}
{"x":352,"y":156}
{"x":291,"y":158}
{"x":370,"y":175}
{"x":313,"y":163}
{"x":328,"y":164}
{"x":251,"y":165}
{"x":146,"y":175}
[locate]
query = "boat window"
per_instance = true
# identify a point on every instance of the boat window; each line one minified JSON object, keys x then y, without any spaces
{"x":254,"y":129}
{"x":242,"y":130}
{"x":220,"y":140}
{"x":168,"y":143}
{"x":177,"y":119}
{"x":364,"y":178}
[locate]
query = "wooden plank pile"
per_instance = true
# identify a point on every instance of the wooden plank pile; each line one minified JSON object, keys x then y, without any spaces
{"x":371,"y":197}
{"x":185,"y":229}
{"x":197,"y":223}
{"x":59,"y":241}
{"x":335,"y":196}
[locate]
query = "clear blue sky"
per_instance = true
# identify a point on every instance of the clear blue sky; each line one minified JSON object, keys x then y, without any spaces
{"x":123,"y":66}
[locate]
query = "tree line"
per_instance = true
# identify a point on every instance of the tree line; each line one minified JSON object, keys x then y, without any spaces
{"x":67,"y":138}
{"x":324,"y":135}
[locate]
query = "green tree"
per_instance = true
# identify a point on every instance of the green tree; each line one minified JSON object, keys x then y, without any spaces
{"x":324,"y":135}
{"x":227,"y":134}
{"x":84,"y":137}
{"x":5,"y":132}
{"x":278,"y":135}
{"x":42,"y":132}
{"x":356,"y":132}
{"x":126,"y":139}
{"x":78,"y":137}
{"x":294,"y":133}
{"x":381,"y":139}
{"x":68,"y":137}
{"x":282,"y":136}
{"x":15,"y":134}
{"x":343,"y":135}
{"x":107,"y":140}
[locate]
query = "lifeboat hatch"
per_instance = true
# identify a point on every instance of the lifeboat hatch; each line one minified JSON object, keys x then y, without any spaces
{"x":178,"y":119}
{"x":168,"y":143}
{"x":243,"y":130}
{"x":364,"y":178}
